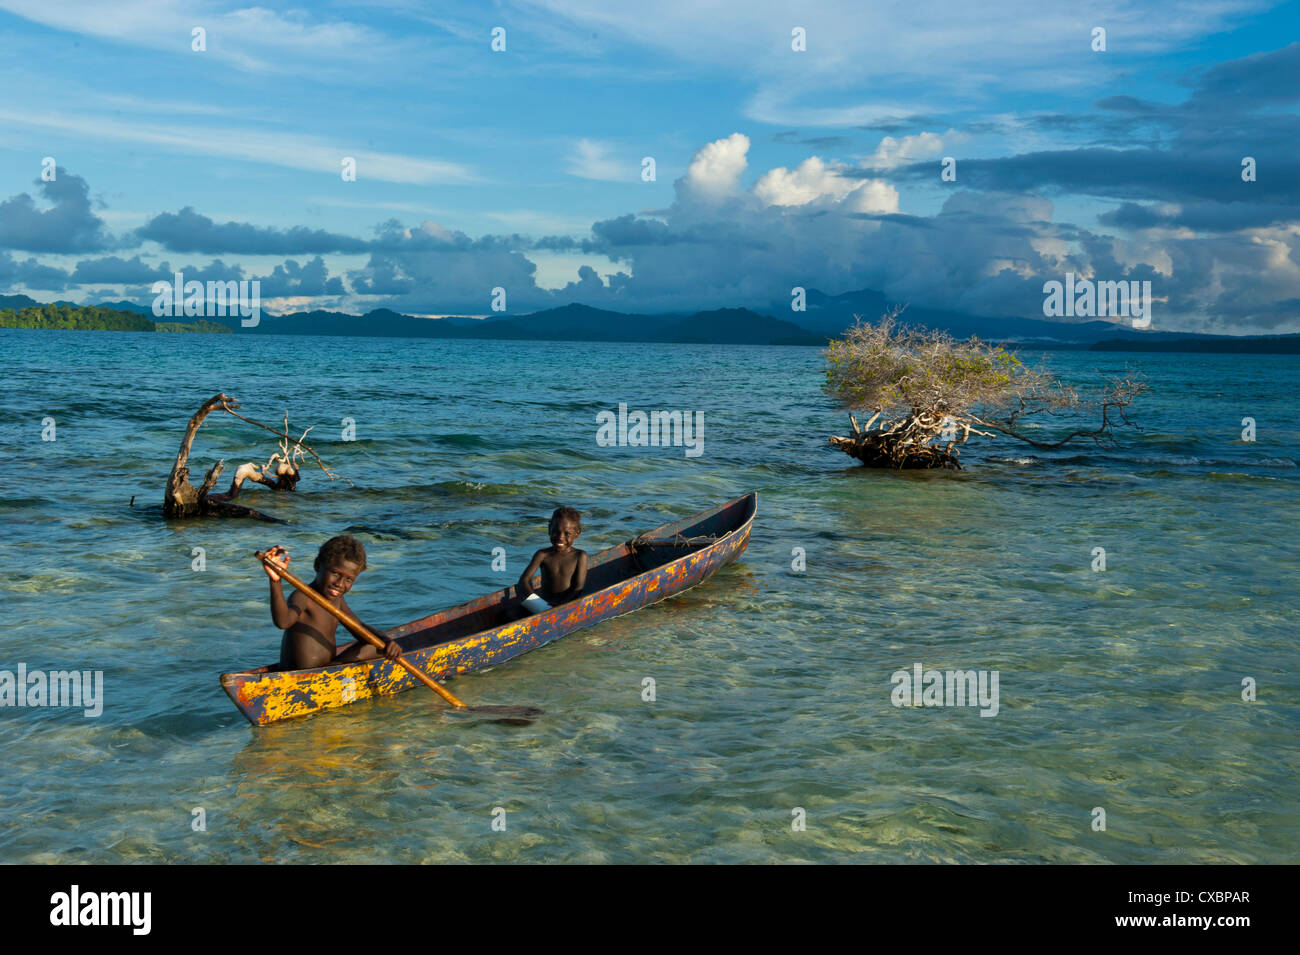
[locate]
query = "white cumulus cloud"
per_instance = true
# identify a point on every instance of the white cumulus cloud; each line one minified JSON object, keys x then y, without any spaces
{"x":814,"y":180}
{"x":715,"y":171}
{"x":896,"y":152}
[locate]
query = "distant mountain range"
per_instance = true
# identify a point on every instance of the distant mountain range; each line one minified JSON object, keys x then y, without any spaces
{"x":827,"y":316}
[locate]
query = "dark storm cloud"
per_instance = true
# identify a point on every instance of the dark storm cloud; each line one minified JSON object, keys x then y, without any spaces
{"x":290,"y":278}
{"x":630,"y":230}
{"x":68,"y":226}
{"x":1189,"y":152}
{"x":381,"y":277}
{"x":450,"y":273}
{"x":189,"y":231}
{"x":1259,"y":79}
{"x":31,"y":274}
{"x":112,"y":270}
{"x":1172,"y":175}
{"x":1202,"y":216}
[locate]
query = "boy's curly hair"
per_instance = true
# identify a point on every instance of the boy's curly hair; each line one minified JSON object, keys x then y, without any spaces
{"x":343,"y":547}
{"x":567,"y":514}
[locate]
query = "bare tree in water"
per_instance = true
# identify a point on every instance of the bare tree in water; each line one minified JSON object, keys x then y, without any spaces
{"x":928,"y":393}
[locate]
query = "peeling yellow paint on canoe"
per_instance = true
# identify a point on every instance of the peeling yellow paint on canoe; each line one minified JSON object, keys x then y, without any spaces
{"x":279,"y":696}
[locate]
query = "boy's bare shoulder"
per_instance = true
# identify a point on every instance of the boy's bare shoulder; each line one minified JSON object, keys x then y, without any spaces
{"x":312,"y":617}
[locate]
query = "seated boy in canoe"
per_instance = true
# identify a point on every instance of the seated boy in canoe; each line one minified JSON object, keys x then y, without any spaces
{"x":308,"y":639}
{"x":563,"y":566}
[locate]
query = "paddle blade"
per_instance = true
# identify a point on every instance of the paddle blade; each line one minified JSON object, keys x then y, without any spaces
{"x":510,"y":715}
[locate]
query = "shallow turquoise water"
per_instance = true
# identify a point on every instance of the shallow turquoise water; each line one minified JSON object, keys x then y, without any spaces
{"x":1118,"y":689}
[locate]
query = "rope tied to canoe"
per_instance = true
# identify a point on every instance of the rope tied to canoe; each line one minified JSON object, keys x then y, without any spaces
{"x":677,"y":540}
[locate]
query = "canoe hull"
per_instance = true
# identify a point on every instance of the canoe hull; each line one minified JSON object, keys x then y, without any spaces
{"x":266,"y":695}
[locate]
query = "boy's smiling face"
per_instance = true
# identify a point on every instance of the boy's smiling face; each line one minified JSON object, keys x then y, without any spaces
{"x":336,"y":579}
{"x":564,"y":533}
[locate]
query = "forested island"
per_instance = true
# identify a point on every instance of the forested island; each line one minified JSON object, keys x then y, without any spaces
{"x":96,"y":318}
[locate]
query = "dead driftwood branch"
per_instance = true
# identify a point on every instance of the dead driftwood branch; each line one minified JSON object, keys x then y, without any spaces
{"x":285,"y":455}
{"x":280,"y":473}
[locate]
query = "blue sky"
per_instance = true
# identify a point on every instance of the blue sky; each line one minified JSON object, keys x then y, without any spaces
{"x":774,"y":167}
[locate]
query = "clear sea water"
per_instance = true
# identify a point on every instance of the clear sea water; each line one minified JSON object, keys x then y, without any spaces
{"x":1119,"y":689}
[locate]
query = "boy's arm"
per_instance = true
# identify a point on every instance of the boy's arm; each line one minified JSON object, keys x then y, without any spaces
{"x":579,"y":578}
{"x":525,"y":586}
{"x":391,"y":650}
{"x":284,"y":613}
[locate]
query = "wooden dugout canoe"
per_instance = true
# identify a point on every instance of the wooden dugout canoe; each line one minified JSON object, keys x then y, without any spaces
{"x":479,"y":634}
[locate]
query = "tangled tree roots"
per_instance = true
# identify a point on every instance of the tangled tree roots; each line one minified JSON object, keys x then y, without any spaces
{"x":878,"y":450}
{"x":908,"y":444}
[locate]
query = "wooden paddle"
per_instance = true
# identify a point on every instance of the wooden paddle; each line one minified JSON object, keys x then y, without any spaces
{"x":522,"y":713}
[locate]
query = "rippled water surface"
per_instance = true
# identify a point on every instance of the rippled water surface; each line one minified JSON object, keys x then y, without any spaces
{"x":1119,"y":689}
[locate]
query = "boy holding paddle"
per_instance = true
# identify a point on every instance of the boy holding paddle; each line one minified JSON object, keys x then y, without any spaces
{"x":308,"y":629}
